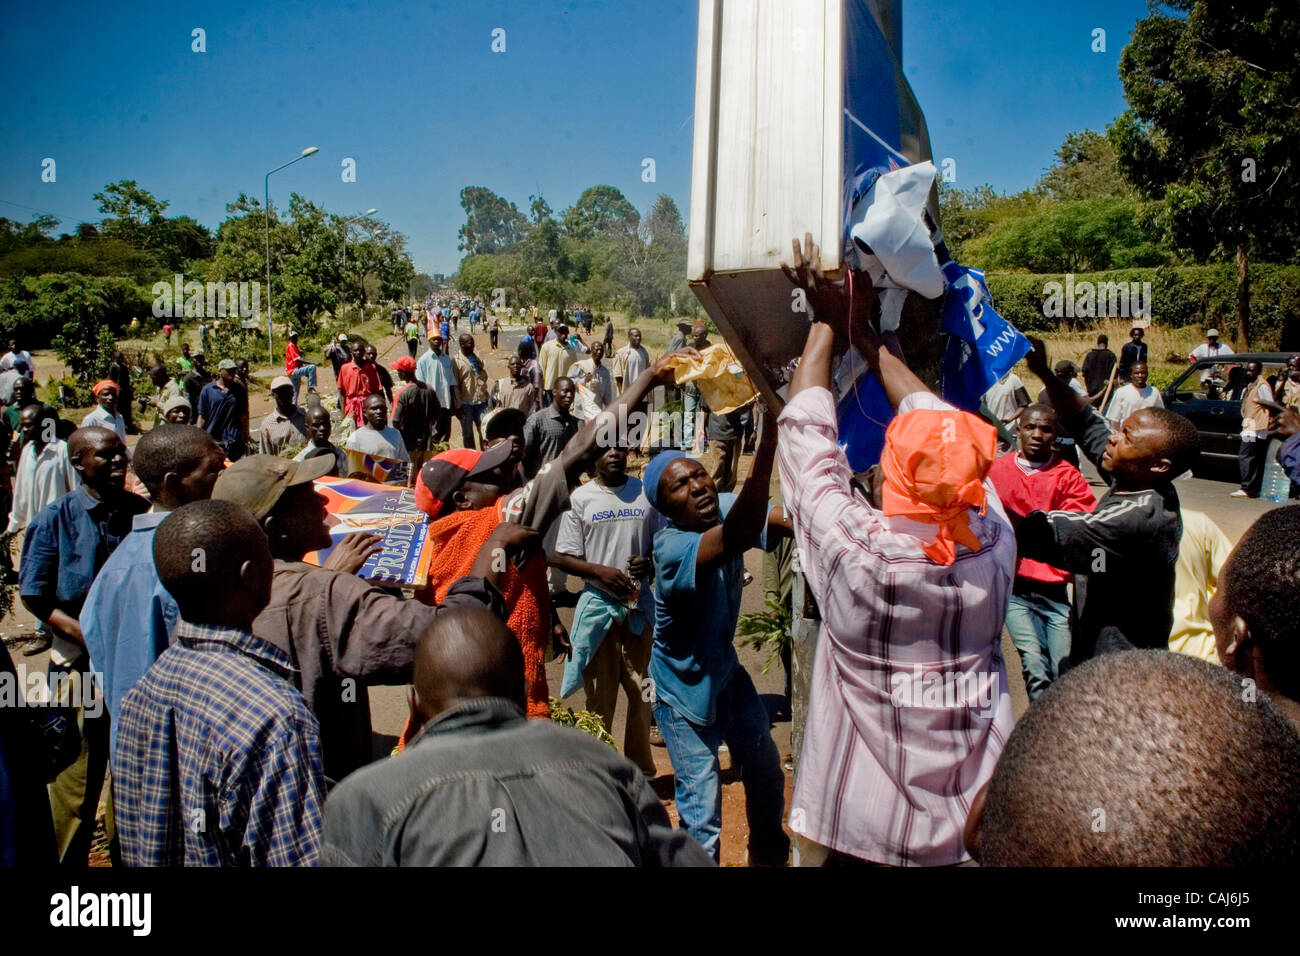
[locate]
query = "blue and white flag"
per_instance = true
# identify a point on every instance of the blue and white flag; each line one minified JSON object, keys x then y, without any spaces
{"x":982,"y":346}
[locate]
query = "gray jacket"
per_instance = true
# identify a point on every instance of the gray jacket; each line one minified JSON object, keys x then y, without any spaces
{"x":482,"y":786}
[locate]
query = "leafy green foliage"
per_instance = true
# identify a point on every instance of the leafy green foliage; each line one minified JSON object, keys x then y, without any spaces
{"x":584,"y":720}
{"x":80,"y":312}
{"x":1213,"y":128}
{"x":1181,"y":296}
{"x":491,"y":223}
{"x":767,"y":631}
{"x":1074,"y":236}
{"x":598,"y":251}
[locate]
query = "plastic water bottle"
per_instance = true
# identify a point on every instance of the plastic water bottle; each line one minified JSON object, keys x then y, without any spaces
{"x":1277,"y":485}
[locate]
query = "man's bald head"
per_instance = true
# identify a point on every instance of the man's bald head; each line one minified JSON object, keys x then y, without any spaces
{"x":99,"y":457}
{"x":88,"y":438}
{"x":1144,"y":758}
{"x":467,"y":653}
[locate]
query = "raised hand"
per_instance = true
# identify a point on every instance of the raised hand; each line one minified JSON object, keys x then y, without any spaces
{"x":1037,"y":359}
{"x":827,"y":300}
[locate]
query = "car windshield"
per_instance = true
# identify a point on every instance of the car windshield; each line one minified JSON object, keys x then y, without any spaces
{"x":1221,"y":381}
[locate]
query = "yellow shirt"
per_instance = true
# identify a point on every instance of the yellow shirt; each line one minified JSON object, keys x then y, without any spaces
{"x":555,"y":361}
{"x":1201,"y":554}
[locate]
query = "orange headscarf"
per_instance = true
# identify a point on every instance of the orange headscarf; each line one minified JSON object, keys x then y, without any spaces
{"x":934,"y":463}
{"x":457,"y":539}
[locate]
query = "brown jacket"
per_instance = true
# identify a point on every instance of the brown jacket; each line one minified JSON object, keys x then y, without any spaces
{"x":343,"y":634}
{"x":1251,"y":408}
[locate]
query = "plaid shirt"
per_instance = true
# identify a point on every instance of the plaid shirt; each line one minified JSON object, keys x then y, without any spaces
{"x":895,"y":747}
{"x":545,"y":435}
{"x":218,"y":758}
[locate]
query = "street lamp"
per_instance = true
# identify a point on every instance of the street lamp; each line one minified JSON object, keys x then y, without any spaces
{"x":266,"y":196}
{"x":364,"y":215}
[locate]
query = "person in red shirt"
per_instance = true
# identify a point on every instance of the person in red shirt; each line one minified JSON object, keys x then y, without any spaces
{"x":357,"y":379}
{"x":1037,"y":479}
{"x":297,"y":369}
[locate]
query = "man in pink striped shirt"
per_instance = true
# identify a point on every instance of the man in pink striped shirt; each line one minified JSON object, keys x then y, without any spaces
{"x":909,"y":708}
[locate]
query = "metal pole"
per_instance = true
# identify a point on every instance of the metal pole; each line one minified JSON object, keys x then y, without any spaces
{"x":270,"y":331}
{"x":266,"y":199}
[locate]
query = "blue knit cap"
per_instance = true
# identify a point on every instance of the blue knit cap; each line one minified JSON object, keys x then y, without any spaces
{"x":654,"y":470}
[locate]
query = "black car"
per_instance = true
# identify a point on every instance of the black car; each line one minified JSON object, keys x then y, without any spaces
{"x":1209,"y":393}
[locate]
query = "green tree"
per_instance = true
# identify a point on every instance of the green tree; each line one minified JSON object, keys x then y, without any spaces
{"x":600,"y":211}
{"x":1078,"y":236}
{"x":1086,"y":168}
{"x":129,"y":210}
{"x":1213,"y":129}
{"x":491,"y":223}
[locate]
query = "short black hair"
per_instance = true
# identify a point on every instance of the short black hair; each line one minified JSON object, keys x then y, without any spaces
{"x":1261,"y":585}
{"x":508,"y":421}
{"x":1182,"y":441}
{"x":198,"y":550}
{"x":1103,"y":339}
{"x":169,"y":448}
{"x":1040,"y":407}
{"x":1064,"y":369}
{"x":1145,"y":758}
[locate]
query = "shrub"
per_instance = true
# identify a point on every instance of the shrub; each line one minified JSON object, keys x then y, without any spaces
{"x":584,"y":720}
{"x":1181,"y":296}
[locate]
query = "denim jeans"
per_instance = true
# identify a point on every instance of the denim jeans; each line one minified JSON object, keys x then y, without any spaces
{"x":690,"y":409}
{"x":297,"y":375}
{"x":1040,"y":628}
{"x":740,"y":720}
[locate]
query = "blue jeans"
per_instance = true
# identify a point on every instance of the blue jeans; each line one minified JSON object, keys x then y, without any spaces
{"x":471,"y":414}
{"x":297,"y":375}
{"x":1040,"y":629}
{"x":690,"y":406}
{"x":740,"y":720}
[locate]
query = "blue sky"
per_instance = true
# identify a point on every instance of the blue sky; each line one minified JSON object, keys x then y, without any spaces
{"x":413,"y":93}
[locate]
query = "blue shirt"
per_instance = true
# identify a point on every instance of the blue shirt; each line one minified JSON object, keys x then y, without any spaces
{"x":1288,"y":457}
{"x":223,"y":409}
{"x":128,"y":616}
{"x":67,"y":543}
{"x":218,"y":762}
{"x":696,"y":610}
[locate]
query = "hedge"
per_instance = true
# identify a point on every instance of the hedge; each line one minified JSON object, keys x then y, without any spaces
{"x":1181,"y":296}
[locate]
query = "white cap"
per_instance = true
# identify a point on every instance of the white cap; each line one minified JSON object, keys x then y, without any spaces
{"x":1212,"y":334}
{"x":342,"y":337}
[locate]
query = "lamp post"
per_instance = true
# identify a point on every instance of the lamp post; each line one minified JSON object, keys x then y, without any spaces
{"x":266,"y":208}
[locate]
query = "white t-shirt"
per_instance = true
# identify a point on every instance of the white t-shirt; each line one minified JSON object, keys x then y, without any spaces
{"x":1128,"y":399}
{"x":607,"y":526}
{"x":384,"y":444}
{"x":1001,"y":398}
{"x":100,"y":418}
{"x":1205,"y":350}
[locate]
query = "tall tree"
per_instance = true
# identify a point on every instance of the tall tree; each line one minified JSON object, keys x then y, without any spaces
{"x":1085,"y":168}
{"x":1213,"y":128}
{"x":492,"y":224}
{"x":600,"y":211}
{"x":130,"y":210}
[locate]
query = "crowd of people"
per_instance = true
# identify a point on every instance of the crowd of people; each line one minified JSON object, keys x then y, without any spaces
{"x":217,"y":681}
